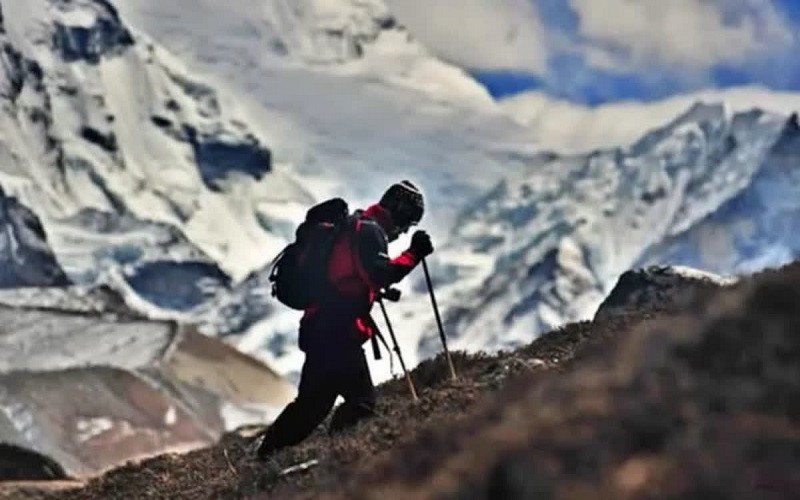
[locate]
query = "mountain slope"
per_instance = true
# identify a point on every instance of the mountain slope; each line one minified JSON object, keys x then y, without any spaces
{"x":91,"y":388}
{"x":645,"y":404}
{"x":133,"y":163}
{"x":350,"y":102}
{"x":698,"y":403}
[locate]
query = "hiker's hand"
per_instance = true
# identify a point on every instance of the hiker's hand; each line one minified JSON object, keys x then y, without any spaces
{"x":421,"y":244}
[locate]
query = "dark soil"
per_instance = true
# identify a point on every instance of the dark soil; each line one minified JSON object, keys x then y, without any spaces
{"x":701,"y":402}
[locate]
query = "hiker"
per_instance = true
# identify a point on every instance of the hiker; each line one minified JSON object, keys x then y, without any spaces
{"x":333,"y":331}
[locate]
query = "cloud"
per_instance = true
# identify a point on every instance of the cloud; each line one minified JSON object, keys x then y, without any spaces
{"x":478,"y":34}
{"x":689,"y":34}
{"x":567,"y":127}
{"x":597,"y":51}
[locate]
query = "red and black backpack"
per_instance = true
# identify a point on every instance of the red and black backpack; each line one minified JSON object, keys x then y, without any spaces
{"x":299,"y":274}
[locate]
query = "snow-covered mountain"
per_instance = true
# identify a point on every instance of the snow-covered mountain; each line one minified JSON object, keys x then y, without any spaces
{"x":129,"y":158}
{"x":757,"y":227}
{"x":713,"y":189}
{"x":344,"y":94}
{"x":169,"y":148}
{"x":172,"y":185}
{"x":124,"y":155}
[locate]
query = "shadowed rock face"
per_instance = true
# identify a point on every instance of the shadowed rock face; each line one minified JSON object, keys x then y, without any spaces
{"x":179,"y":286}
{"x":217,"y":158}
{"x":78,"y":299}
{"x":25,"y":257}
{"x":104,"y":35}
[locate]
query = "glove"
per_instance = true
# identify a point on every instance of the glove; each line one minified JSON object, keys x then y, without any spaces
{"x":421,"y":245}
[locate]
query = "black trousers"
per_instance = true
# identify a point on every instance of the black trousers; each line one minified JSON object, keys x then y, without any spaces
{"x":325,"y":375}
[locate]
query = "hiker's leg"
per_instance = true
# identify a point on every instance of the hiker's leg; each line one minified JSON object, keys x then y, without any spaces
{"x":315,"y":398}
{"x":358,"y":393}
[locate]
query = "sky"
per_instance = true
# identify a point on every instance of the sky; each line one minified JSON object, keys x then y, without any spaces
{"x":599,"y":51}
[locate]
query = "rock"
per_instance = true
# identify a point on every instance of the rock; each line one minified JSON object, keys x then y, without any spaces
{"x":657,"y":288}
{"x":26,"y":259}
{"x":216,"y":158}
{"x":18,"y":463}
{"x":103,"y":34}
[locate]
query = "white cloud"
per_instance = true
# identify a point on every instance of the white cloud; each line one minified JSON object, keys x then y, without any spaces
{"x":568,"y":127}
{"x":478,"y":34}
{"x":682,"y":33}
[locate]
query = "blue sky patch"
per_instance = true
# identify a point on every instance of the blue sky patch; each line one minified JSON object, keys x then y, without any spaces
{"x":570,"y":76}
{"x":504,"y":83}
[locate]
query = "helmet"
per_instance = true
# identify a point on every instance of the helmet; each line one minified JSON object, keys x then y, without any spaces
{"x":405,"y":203}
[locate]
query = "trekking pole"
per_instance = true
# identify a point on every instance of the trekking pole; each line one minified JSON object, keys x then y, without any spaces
{"x":438,"y":320}
{"x":410,"y":382}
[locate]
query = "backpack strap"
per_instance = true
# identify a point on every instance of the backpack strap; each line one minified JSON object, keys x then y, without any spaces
{"x":355,"y":251}
{"x":355,"y":226}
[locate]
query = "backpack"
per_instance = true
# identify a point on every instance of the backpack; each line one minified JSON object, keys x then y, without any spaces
{"x":299,"y":274}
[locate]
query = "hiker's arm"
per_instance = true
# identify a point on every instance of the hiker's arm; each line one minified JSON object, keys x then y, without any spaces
{"x":374,"y":253}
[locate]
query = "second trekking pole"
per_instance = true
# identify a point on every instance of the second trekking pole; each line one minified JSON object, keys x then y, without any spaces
{"x":410,"y":382}
{"x":438,"y":320}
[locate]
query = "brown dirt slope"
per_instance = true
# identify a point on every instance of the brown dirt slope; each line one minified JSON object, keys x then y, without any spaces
{"x":697,"y":403}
